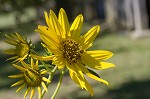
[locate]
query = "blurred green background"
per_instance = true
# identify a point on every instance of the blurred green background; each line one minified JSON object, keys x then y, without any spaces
{"x":124,"y":31}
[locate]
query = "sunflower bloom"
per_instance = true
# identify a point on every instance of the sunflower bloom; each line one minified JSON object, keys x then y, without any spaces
{"x":22,"y":47}
{"x":30,"y":77}
{"x":70,"y":49}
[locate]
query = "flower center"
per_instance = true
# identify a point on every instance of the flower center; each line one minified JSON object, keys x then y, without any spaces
{"x":32,"y":78}
{"x":22,"y":49}
{"x":71,"y":50}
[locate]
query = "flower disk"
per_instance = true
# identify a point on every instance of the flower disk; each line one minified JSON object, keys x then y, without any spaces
{"x":21,"y":50}
{"x":71,"y":50}
{"x":31,"y":78}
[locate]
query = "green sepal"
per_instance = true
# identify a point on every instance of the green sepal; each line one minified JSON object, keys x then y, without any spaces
{"x":93,"y":72}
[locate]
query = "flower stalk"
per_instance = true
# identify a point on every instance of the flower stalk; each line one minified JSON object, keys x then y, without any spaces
{"x":58,"y":85}
{"x":49,"y":78}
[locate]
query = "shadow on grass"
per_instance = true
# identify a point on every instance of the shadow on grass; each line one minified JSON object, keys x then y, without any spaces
{"x":130,"y":90}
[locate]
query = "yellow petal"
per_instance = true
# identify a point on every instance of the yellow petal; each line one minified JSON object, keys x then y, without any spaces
{"x":32,"y":63}
{"x":16,"y":76}
{"x":27,"y":91}
{"x":93,"y":59}
{"x":36,"y":65}
{"x":25,"y":65}
{"x":42,"y":57}
{"x":39,"y":91}
{"x":21,"y":87}
{"x":81,"y":82}
{"x":14,"y":36}
{"x":22,"y":58}
{"x":47,"y":19}
{"x":17,"y":60}
{"x":71,"y":67}
{"x":90,"y":36}
{"x":19,"y":67}
{"x":46,"y":47}
{"x":76,"y":74}
{"x":79,"y":75}
{"x":104,"y":65}
{"x":88,"y":87}
{"x":51,"y":49}
{"x":10,"y":42}
{"x":44,"y":86}
{"x":17,"y":83}
{"x":61,"y":66}
{"x":46,"y":80}
{"x":50,"y":34}
{"x":15,"y":57}
{"x":100,"y":54}
{"x":76,"y":27}
{"x":50,"y":44}
{"x":20,"y":38}
{"x":63,"y":20}
{"x":55,"y":24}
{"x":59,"y":61}
{"x":78,"y":70}
{"x":32,"y":93}
{"x":10,"y":51}
{"x":12,"y":39}
{"x":89,"y":60}
{"x":86,"y":71}
{"x":76,"y":79}
{"x":43,"y":72}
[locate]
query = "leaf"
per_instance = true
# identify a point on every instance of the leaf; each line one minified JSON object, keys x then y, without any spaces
{"x":93,"y":72}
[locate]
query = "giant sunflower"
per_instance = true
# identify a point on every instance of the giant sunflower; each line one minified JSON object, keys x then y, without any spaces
{"x":70,"y":49}
{"x":30,"y":77}
{"x":21,"y":47}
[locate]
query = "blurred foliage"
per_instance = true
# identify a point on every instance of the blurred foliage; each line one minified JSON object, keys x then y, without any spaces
{"x":18,"y":10}
{"x":18,"y":5}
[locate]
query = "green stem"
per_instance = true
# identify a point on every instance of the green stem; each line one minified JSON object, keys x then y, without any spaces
{"x":46,"y":66}
{"x":58,"y":85}
{"x":50,"y":66}
{"x":50,"y":78}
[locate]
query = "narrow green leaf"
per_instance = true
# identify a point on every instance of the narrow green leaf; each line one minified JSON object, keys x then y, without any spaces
{"x":93,"y":72}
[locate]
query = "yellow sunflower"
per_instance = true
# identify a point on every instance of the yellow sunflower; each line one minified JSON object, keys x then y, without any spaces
{"x":70,"y":49}
{"x":30,"y":77}
{"x":22,"y":47}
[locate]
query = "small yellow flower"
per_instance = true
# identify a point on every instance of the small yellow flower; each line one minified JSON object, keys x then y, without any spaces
{"x":70,"y":49}
{"x":21,"y":50}
{"x":30,"y":77}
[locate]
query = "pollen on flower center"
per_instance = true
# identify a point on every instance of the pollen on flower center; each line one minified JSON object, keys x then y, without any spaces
{"x":22,"y":49}
{"x":71,"y":50}
{"x":32,"y":78}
